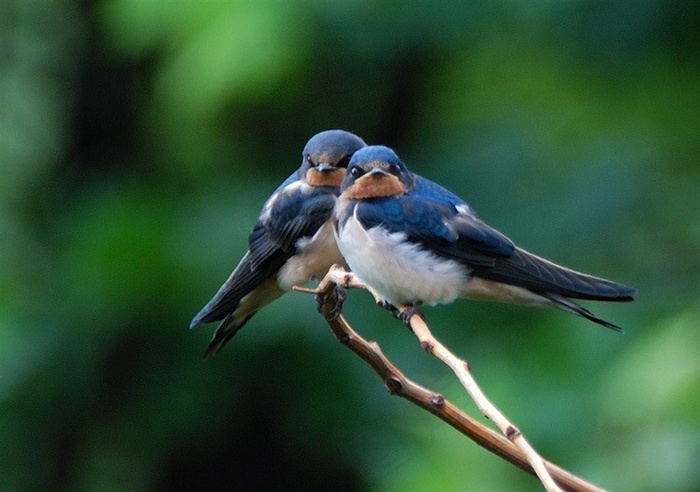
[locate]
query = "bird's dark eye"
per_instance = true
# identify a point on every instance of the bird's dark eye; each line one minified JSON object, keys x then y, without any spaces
{"x":356,"y":172}
{"x":310,"y":161}
{"x":394,"y":169}
{"x":343,"y":162}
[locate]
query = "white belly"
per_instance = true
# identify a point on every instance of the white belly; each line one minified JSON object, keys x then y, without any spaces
{"x":401,"y":273}
{"x":315,"y":257}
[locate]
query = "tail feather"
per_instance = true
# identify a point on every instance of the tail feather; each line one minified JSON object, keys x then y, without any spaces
{"x":572,"y":307}
{"x":250,"y":304}
{"x":225,"y":332}
{"x":540,"y":275}
{"x":242,"y":281}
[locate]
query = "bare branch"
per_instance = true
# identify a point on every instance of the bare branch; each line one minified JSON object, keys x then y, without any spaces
{"x":431,"y":345}
{"x":329,"y":297}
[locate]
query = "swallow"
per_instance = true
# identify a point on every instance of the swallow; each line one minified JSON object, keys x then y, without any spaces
{"x":414,"y":242}
{"x":292,"y":241}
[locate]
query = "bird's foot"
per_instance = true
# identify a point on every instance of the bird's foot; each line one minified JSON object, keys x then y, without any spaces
{"x":407,"y":312}
{"x":340,"y":296}
{"x":384,"y":304}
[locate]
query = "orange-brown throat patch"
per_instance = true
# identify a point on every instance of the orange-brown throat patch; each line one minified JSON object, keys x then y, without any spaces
{"x":375,"y":186}
{"x":325,"y":178}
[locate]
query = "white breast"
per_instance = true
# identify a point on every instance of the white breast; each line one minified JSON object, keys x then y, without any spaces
{"x":400,"y":272}
{"x":315,"y":257}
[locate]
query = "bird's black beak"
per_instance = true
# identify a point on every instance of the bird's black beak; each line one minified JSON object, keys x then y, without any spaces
{"x":323,"y":167}
{"x":377,"y":171}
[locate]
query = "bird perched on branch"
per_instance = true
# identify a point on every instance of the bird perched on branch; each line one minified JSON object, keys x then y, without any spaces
{"x":414,"y":242}
{"x":291,"y":243}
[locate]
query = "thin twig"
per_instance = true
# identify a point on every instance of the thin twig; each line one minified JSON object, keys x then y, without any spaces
{"x":434,"y":347}
{"x":330,"y":306}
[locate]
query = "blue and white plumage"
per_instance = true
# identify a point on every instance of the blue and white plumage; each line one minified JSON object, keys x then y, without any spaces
{"x":414,"y":242}
{"x":291,"y":243}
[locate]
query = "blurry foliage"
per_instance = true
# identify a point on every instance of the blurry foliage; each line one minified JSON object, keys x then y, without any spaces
{"x":138,"y":140}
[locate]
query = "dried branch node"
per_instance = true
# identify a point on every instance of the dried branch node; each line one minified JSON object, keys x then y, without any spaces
{"x":393,"y":385}
{"x":438,"y":400}
{"x":512,"y":433}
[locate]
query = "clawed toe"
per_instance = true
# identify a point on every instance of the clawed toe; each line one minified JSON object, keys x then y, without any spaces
{"x":384,"y":304}
{"x":407,"y":312}
{"x":340,"y":296}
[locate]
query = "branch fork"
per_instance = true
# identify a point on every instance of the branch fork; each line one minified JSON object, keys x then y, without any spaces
{"x":511,"y":446}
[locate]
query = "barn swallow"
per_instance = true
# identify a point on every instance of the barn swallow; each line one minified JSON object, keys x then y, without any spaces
{"x":415,"y":242}
{"x":292,"y":241}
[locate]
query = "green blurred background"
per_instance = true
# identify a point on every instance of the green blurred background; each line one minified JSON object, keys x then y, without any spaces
{"x":140,"y":138}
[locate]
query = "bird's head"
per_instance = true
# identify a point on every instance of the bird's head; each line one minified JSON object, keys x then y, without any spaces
{"x":326,"y":156}
{"x":374,"y":172}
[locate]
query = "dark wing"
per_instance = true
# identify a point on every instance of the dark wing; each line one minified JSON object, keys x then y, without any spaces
{"x":294,"y":216}
{"x":440,"y":221}
{"x":514,"y":266}
{"x":292,"y":213}
{"x":243,"y":280}
{"x":553,"y":281}
{"x":444,"y":224}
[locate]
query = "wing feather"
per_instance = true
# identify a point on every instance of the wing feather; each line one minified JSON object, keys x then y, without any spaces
{"x":445,"y":225}
{"x":293,"y":213}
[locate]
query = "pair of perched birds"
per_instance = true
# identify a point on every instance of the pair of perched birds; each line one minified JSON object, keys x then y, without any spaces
{"x":409,"y":239}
